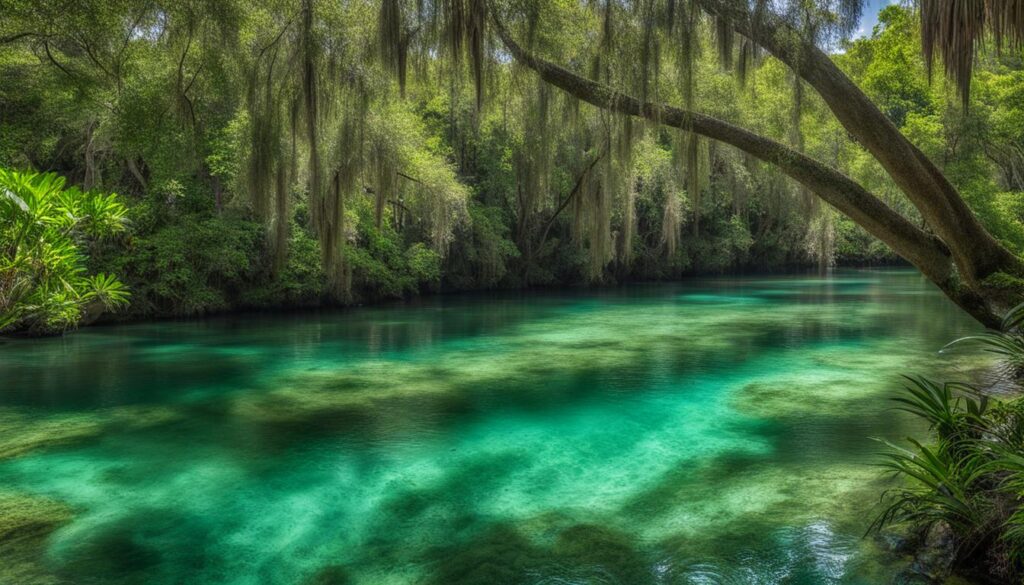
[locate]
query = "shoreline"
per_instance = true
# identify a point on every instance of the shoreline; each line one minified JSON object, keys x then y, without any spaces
{"x":108,"y":320}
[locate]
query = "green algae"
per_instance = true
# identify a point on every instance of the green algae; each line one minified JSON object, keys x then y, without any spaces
{"x":1004,"y":281}
{"x":22,"y":433}
{"x":331,"y":575}
{"x":583,"y":344}
{"x":25,"y":524}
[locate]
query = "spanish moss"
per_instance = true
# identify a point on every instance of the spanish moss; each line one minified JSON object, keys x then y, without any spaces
{"x":956,"y":30}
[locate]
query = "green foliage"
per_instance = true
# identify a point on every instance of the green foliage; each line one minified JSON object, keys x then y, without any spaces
{"x":936,"y":403}
{"x":893,"y":53}
{"x":1004,"y":281}
{"x":943,"y":490}
{"x":972,"y":477}
{"x":980,"y":150}
{"x":1007,"y":343}
{"x":171,"y":102}
{"x":483,"y":253}
{"x":45,"y":230}
{"x":726,"y":248}
{"x":382,"y":266}
{"x":195,"y":263}
{"x":424,"y":264}
{"x":192,"y":265}
{"x":299,"y":283}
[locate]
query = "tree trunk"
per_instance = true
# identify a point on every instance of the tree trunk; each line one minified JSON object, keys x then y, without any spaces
{"x":925,"y":251}
{"x":133,"y":167}
{"x":976,"y":253}
{"x":91,"y":179}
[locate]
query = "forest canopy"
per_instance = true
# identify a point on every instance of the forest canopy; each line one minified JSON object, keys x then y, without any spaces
{"x":300,"y":152}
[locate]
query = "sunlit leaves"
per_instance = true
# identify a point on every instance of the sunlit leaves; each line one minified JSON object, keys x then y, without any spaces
{"x":43,"y":229}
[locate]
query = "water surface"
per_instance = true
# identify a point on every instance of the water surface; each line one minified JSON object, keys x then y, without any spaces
{"x":713,"y":431}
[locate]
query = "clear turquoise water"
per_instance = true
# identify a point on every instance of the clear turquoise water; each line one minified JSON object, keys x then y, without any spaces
{"x":714,"y":431}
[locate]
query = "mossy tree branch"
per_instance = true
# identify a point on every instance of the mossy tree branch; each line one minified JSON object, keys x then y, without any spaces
{"x":925,"y":251}
{"x":975,"y":252}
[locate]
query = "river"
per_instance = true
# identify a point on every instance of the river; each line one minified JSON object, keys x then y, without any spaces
{"x":712,"y":431}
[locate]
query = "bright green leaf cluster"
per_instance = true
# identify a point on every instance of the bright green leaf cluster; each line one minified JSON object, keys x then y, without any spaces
{"x":44,"y":228}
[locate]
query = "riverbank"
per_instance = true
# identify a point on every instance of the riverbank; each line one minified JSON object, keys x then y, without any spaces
{"x":138,"y":315}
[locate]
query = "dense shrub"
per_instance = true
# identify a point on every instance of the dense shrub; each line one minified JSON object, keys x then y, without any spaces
{"x":45,"y":230}
{"x":196,"y":264}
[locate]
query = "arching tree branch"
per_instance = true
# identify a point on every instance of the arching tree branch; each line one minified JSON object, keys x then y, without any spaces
{"x":976,"y":253}
{"x":837,"y":189}
{"x":928,"y":253}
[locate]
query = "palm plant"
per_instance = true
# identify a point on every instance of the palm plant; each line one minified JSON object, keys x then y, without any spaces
{"x":44,"y":287}
{"x":951,"y":409}
{"x":941,"y":490}
{"x":942,"y":477}
{"x":972,"y":477}
{"x":1005,"y":342}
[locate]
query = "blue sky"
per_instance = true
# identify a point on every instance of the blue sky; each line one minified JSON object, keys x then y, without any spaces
{"x":870,"y":17}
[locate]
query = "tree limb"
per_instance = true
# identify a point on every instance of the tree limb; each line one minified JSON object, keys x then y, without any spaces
{"x":975,"y":251}
{"x":572,"y":194}
{"x":49,"y":55}
{"x":921,"y":249}
{"x":17,"y":36}
{"x":413,"y":179}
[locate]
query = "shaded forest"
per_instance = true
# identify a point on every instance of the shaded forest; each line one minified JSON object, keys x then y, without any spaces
{"x":294,"y":154}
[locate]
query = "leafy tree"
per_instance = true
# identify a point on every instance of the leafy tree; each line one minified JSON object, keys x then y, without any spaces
{"x":271,"y":125}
